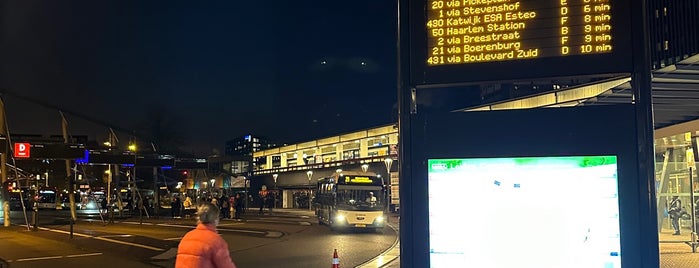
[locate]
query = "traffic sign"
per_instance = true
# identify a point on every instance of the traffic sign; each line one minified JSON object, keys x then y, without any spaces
{"x":22,"y":150}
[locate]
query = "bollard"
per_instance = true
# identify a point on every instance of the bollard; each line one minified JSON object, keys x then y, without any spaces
{"x":6,"y":210}
{"x":35,"y":217}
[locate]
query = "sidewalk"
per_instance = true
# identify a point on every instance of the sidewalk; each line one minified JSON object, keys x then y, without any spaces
{"x":675,"y":251}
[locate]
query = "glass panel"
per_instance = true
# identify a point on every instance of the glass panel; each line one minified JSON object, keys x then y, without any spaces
{"x":676,"y":187}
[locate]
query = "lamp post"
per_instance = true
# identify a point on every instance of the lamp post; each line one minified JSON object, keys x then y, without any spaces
{"x":245,"y":186}
{"x":388,"y":161}
{"x":109,"y":193}
{"x":310,"y":190}
{"x":132,"y":179}
{"x":275,"y":175}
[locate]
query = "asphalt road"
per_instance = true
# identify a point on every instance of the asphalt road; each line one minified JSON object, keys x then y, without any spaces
{"x":285,"y":238}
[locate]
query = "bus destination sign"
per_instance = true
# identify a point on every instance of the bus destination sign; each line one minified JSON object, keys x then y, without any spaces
{"x":472,"y":32}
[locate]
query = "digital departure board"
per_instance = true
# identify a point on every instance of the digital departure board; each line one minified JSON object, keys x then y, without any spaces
{"x":556,"y":35}
{"x":469,"y":31}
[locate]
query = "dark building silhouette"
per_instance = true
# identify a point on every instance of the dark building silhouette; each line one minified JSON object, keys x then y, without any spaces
{"x":674,"y":31}
{"x":246,"y":145}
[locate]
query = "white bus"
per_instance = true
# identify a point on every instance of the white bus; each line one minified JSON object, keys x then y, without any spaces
{"x":351,"y":200}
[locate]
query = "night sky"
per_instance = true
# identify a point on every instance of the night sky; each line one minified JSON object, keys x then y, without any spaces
{"x":205,"y":71}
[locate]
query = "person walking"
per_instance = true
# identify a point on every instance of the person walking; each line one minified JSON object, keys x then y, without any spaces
{"x":239,"y":206}
{"x":225,"y":208}
{"x":103,"y":206}
{"x":263,"y":202}
{"x":675,"y":212}
{"x":175,"y":210}
{"x":203,"y":246}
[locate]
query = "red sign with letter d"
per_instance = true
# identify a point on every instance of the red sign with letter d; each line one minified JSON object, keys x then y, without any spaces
{"x":22,"y":150}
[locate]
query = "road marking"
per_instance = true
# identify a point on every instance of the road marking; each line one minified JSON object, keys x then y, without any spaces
{"x":274,"y":234}
{"x":231,"y":224}
{"x":64,"y":232}
{"x":175,"y":225}
{"x":84,"y":255}
{"x":137,"y":223}
{"x":280,"y":221}
{"x":39,"y":258}
{"x":219,"y":229}
{"x":58,"y":257}
{"x":103,"y":239}
{"x":127,"y":243}
{"x":118,"y":235}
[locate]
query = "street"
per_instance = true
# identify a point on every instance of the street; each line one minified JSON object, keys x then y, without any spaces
{"x":285,"y":238}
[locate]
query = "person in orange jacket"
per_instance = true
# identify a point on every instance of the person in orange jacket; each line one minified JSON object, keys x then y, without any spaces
{"x":203,"y":247}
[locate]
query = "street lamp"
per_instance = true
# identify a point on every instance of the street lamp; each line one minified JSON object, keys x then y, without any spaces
{"x":109,"y":193}
{"x":132,"y":179}
{"x":213,"y":185}
{"x":245,"y":185}
{"x":365,"y":167}
{"x":275,"y":175}
{"x":388,"y":161}
{"x":310,"y":191}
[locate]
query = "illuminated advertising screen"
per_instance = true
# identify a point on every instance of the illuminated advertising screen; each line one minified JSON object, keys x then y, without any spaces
{"x":479,"y":40}
{"x":538,"y":212}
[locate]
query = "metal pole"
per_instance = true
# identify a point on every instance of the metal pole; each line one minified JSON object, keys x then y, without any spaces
{"x":109,"y":195}
{"x":409,"y":252}
{"x":245,"y":185}
{"x":310,"y":189}
{"x":5,"y":194}
{"x":693,"y":207}
{"x":641,"y":80}
{"x":156,"y":193}
{"x":3,"y":168}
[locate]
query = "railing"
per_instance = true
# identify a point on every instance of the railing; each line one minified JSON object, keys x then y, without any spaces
{"x":346,"y":162}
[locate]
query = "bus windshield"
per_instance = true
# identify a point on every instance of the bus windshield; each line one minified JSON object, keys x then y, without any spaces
{"x":354,"y":197}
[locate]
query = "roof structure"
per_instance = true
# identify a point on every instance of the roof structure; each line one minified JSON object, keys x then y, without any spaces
{"x":675,"y":92}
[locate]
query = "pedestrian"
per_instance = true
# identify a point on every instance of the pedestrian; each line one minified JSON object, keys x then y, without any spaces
{"x":103,"y":206}
{"x":234,"y":206}
{"x":187,"y":202}
{"x":239,"y":206}
{"x":675,"y":212}
{"x":225,"y":207}
{"x":263,"y":200}
{"x":203,"y":246}
{"x":175,"y":210}
{"x":250,"y":200}
{"x":271,"y":198}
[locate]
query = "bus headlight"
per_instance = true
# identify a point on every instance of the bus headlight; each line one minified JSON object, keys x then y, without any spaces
{"x":339,"y":218}
{"x":379,"y":219}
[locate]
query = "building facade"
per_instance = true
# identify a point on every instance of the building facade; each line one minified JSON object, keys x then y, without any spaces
{"x":291,"y":171}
